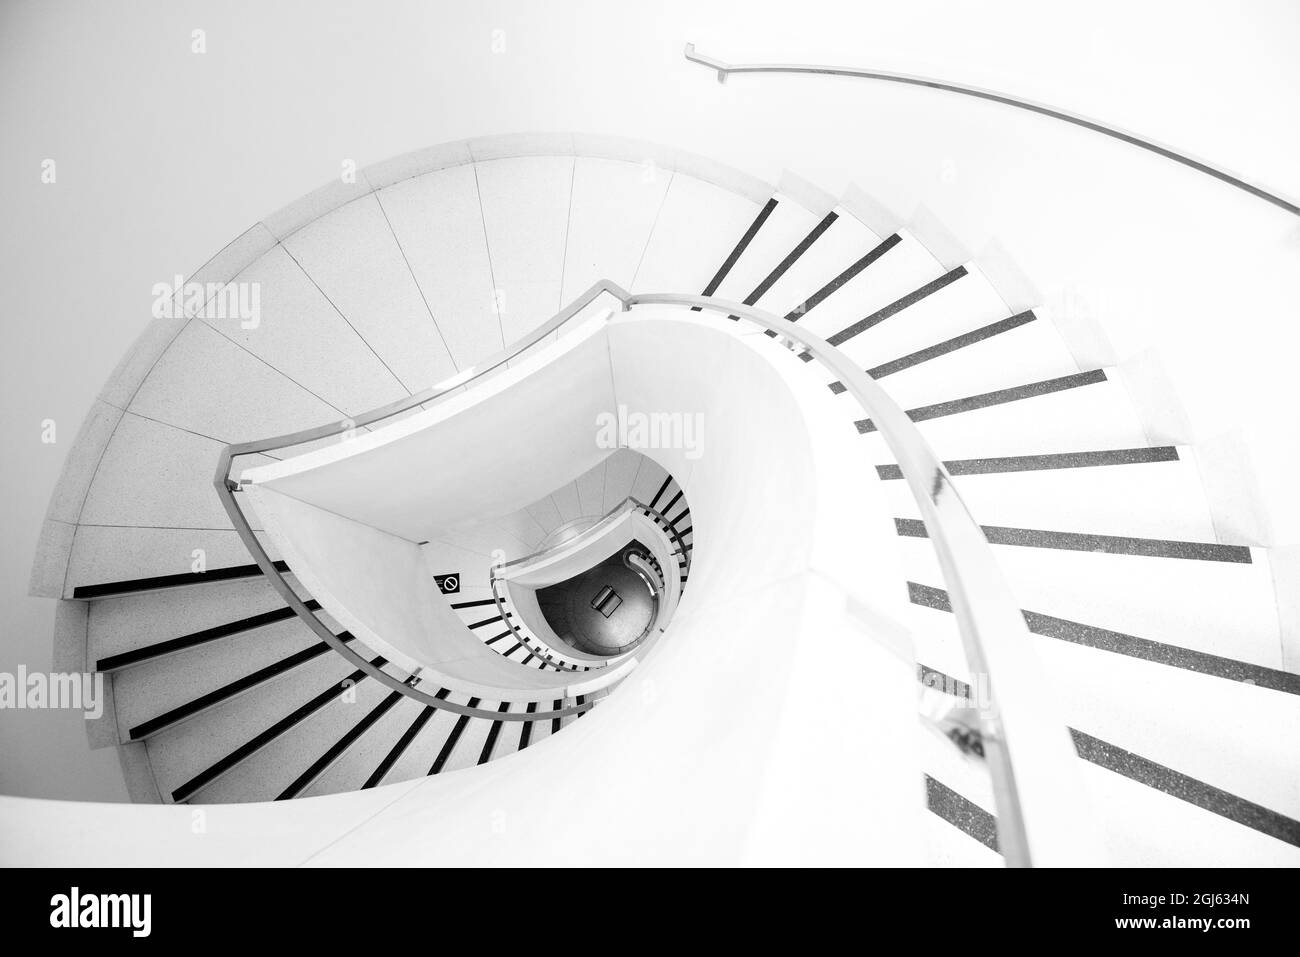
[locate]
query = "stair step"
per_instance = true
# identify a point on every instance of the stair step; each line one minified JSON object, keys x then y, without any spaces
{"x":437,"y":219}
{"x":408,"y":719}
{"x":1083,"y":412}
{"x":1220,"y":607}
{"x":158,"y":695}
{"x":1057,"y":460}
{"x":135,"y":586}
{"x":1174,"y":656}
{"x":842,"y":249}
{"x":369,"y":762}
{"x":898,"y":271}
{"x":184,"y":754}
{"x":762,"y":251}
{"x":1110,"y":544}
{"x":195,"y":639}
{"x":1123,"y":719}
{"x":368,"y":724}
{"x":695,"y":233}
{"x":999,"y":355}
{"x":136,"y":622}
{"x":422,"y":751}
{"x":1158,"y":496}
{"x":273,"y":769}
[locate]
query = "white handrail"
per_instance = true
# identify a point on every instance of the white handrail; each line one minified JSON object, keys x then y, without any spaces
{"x":726,"y":69}
{"x":1041,"y":814}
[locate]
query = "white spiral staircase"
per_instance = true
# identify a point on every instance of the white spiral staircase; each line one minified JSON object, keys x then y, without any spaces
{"x":816,"y":663}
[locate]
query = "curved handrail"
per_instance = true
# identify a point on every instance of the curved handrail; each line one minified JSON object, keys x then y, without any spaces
{"x":628,"y":504}
{"x":226,"y":488}
{"x":1026,"y":755}
{"x":546,"y":652}
{"x":613,"y":513}
{"x":725,"y":69}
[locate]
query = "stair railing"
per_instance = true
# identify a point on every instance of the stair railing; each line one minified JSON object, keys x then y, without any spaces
{"x":726,"y":69}
{"x":1041,"y":818}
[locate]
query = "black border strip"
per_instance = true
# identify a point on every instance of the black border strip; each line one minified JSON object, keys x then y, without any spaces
{"x":493,"y":733}
{"x":227,"y":691}
{"x":768,"y":208}
{"x":257,"y":743}
{"x":1146,"y":649}
{"x":395,"y":755}
{"x":450,"y":744}
{"x":998,"y":397}
{"x":335,"y":750}
{"x":948,"y":346}
{"x":171,"y":646}
{"x":1056,"y":460}
{"x":1087,"y":542}
{"x":159,"y":582}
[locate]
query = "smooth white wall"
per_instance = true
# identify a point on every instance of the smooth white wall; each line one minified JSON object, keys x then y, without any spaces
{"x":472,"y":457}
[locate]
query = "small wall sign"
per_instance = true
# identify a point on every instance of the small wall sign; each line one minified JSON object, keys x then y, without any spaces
{"x":448,"y":584}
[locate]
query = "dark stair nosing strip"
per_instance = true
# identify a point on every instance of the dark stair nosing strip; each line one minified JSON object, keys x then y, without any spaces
{"x":507,"y":654}
{"x":488,"y":621}
{"x":1157,"y":776}
{"x":335,"y":751}
{"x":1145,"y":649}
{"x":496,"y":638}
{"x":493,"y":733}
{"x":557,"y":723}
{"x":998,"y":397}
{"x":227,"y":691}
{"x":784,"y":265}
{"x":943,"y":348}
{"x":662,"y":488}
{"x":158,"y":582}
{"x":526,"y":732}
{"x":404,"y":742}
{"x":450,"y":744}
{"x":1107,"y":544}
{"x":474,"y":604}
{"x":669,"y":507}
{"x":171,"y":646}
{"x":255,"y":744}
{"x":768,"y":208}
{"x":1057,"y":460}
{"x":1186,"y":788}
{"x":967,"y":816}
{"x":820,"y":296}
{"x":895,"y":307}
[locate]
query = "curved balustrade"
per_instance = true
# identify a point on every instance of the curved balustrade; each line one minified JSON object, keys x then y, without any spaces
{"x":726,"y":69}
{"x":1030,"y":755}
{"x":544,"y":651}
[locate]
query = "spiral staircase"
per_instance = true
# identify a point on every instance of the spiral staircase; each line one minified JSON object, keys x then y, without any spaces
{"x":836,"y":649}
